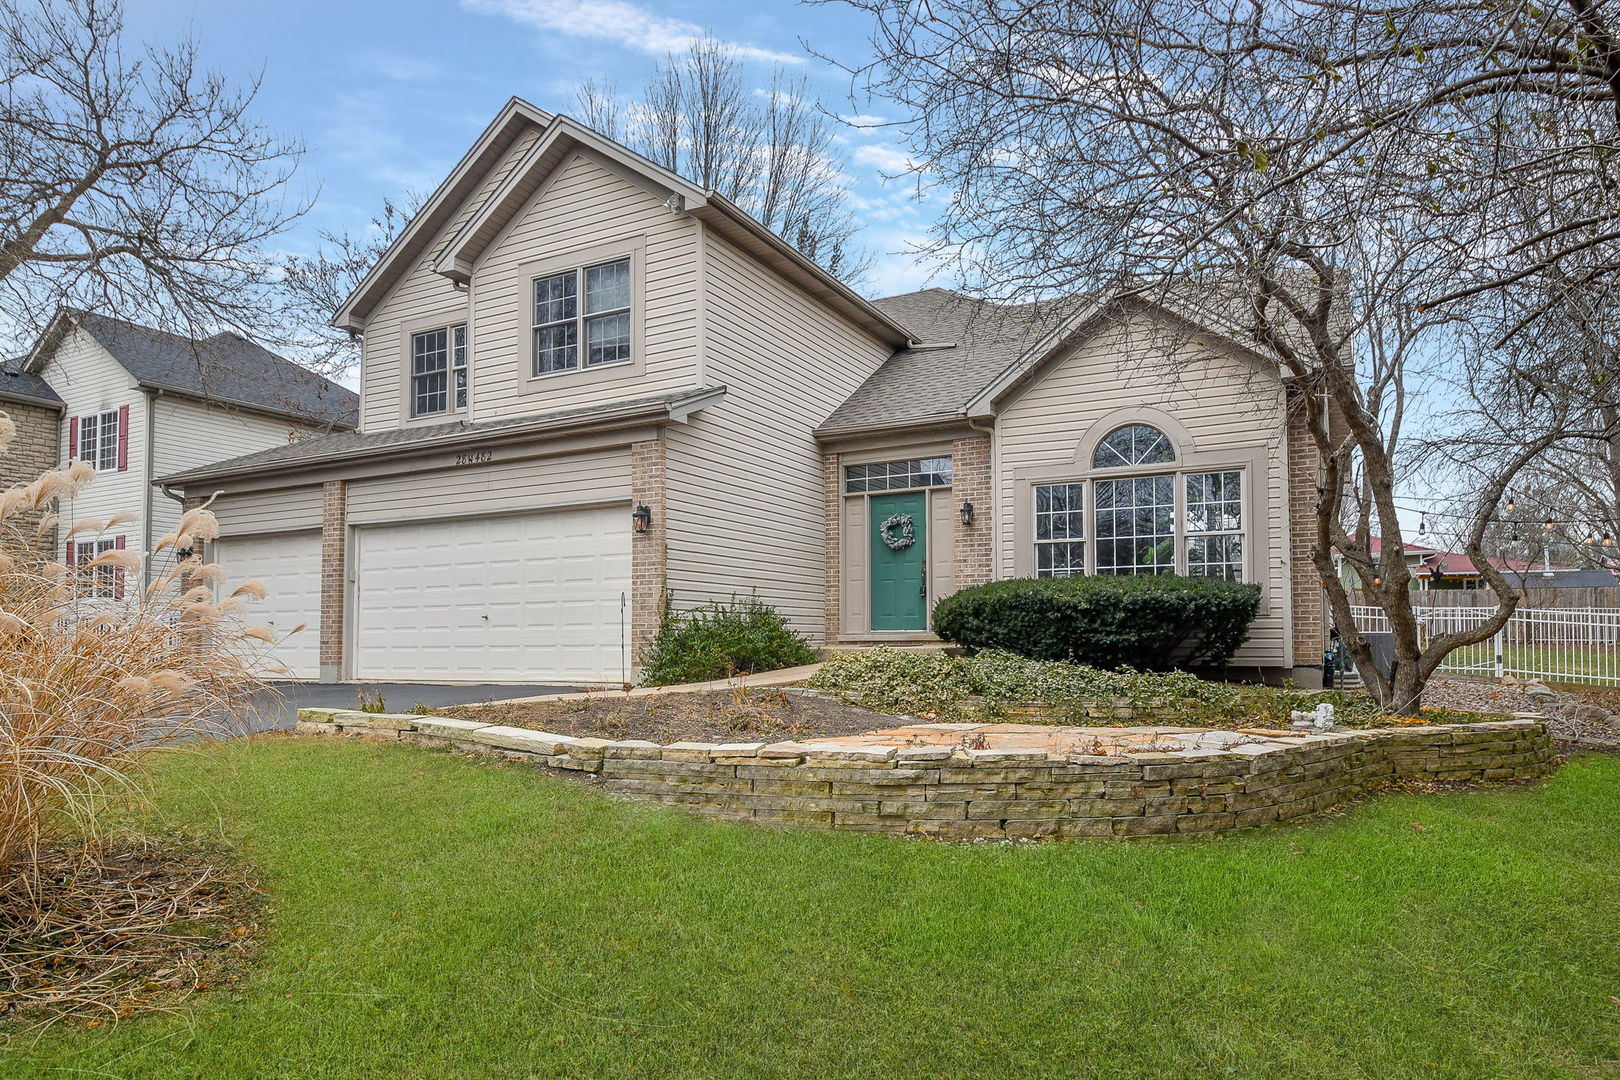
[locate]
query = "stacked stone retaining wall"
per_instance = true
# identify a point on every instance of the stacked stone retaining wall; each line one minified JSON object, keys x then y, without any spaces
{"x":962,"y":793}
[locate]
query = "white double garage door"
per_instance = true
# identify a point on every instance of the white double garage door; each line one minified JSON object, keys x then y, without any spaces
{"x":520,"y":597}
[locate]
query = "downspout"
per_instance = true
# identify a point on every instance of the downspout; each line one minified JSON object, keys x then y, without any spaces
{"x":995,"y":496}
{"x":149,"y":469}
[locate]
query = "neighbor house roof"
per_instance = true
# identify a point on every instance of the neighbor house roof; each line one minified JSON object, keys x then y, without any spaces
{"x":352,"y":446}
{"x":225,"y":368}
{"x":19,"y":385}
{"x":1375,"y":546}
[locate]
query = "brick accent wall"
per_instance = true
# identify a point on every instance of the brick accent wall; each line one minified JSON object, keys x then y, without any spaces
{"x":970,"y":462}
{"x":1304,"y":474}
{"x":334,"y":571}
{"x":649,"y":551}
{"x":31,"y":453}
{"x":832,"y":479}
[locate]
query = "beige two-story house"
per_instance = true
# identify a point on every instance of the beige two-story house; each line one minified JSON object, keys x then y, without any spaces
{"x":137,"y":403}
{"x":587,"y":382}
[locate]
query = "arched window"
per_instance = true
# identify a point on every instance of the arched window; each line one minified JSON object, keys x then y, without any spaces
{"x":1133,"y":444}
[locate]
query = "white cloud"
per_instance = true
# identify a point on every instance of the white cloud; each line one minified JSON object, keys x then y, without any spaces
{"x":617,"y":21}
{"x":861,"y":120}
{"x":400,"y":67}
{"x":904,"y":263}
{"x":884,"y":157}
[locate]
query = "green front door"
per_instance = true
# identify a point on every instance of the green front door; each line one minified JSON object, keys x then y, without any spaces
{"x":899,"y":561}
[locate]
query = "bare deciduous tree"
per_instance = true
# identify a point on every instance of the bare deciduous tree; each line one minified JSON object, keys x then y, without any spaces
{"x":130,"y":180}
{"x":313,"y":287}
{"x":771,"y":151}
{"x":1338,"y":185}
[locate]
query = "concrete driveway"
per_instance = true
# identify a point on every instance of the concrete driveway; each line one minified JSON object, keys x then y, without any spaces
{"x":398,"y":697}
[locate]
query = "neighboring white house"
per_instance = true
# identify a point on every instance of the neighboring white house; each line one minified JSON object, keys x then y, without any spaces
{"x":138,"y":403}
{"x":587,"y":381}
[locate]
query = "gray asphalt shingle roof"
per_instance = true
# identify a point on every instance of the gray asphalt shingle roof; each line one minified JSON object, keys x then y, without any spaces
{"x":918,"y":385}
{"x":17,"y":383}
{"x":351,"y":444}
{"x":226,"y":368}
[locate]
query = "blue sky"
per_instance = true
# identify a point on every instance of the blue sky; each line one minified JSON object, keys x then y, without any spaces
{"x":388,"y":94}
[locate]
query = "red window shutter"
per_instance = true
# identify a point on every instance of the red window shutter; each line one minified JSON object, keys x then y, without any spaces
{"x":118,"y":541}
{"x":123,"y":437}
{"x":73,"y":437}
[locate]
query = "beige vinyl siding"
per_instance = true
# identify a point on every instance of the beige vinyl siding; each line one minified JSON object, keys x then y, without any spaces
{"x":189,"y":434}
{"x":528,"y":483}
{"x":745,"y":484}
{"x":420,"y":296}
{"x":584,"y":205}
{"x":1221,"y":398}
{"x":282,"y":510}
{"x":89,"y":380}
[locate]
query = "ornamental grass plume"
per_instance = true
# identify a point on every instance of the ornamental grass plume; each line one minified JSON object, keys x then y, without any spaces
{"x":96,"y":668}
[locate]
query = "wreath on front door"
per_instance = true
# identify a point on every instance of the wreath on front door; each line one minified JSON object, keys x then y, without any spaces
{"x":899,"y":532}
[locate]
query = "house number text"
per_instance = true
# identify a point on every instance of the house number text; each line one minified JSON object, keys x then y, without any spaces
{"x":474,"y":457}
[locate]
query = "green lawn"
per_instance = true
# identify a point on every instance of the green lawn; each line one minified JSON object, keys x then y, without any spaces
{"x":436,"y":918}
{"x":1574,"y":665}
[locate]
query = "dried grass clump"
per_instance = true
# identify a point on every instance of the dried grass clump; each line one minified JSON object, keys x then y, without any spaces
{"x":98,"y":931}
{"x":90,"y":678}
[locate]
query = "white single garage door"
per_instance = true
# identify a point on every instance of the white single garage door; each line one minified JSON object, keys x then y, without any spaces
{"x":289,"y":567}
{"x":524,"y":597}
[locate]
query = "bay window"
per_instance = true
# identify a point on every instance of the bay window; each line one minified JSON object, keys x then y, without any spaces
{"x":1156,"y":519}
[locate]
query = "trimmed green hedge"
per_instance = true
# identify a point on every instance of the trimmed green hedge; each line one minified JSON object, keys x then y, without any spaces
{"x":1147,"y":623}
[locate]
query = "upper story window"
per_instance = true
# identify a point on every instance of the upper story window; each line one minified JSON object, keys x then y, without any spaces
{"x":1133,"y":444}
{"x":570,"y":334}
{"x":898,"y":475}
{"x":439,"y":370}
{"x":98,"y":440}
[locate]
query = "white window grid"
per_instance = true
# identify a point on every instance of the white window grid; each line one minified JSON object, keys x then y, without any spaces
{"x":438,"y":370}
{"x":1134,"y":525}
{"x":602,"y":322}
{"x":98,"y":440}
{"x":898,"y":475}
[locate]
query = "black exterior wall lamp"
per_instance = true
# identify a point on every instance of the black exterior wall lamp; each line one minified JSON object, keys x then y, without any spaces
{"x":642,"y":518}
{"x":967,"y":513}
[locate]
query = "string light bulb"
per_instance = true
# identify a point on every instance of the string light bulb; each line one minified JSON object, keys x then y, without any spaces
{"x":1512,"y":503}
{"x":1548,"y":525}
{"x":1590,"y":540}
{"x":1608,"y":541}
{"x":1423,"y":525}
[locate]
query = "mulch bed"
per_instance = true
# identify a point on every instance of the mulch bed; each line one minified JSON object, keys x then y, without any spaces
{"x":95,"y":933}
{"x":710,"y":716}
{"x":1579,"y":715}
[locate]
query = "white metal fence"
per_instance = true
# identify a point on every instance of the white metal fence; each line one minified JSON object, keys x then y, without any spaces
{"x":1556,"y":644}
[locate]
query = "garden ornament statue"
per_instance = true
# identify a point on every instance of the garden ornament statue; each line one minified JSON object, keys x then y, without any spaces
{"x":1320,"y":718}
